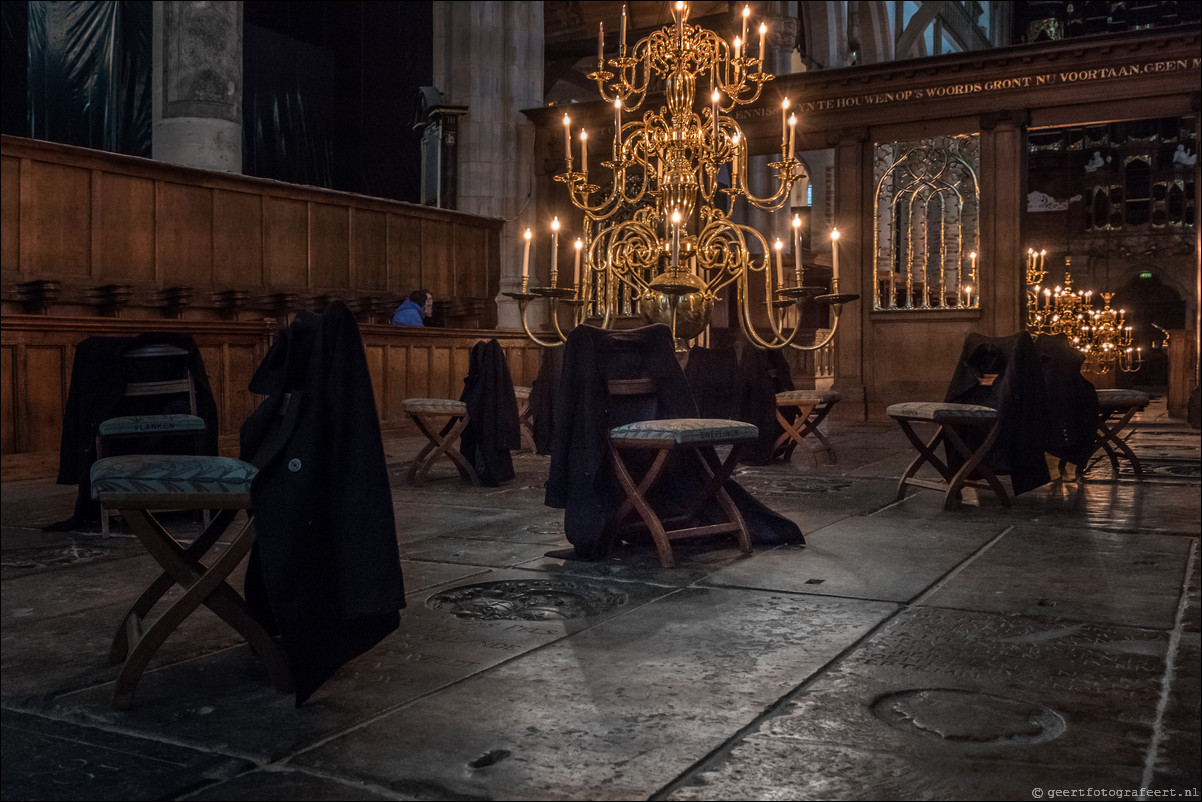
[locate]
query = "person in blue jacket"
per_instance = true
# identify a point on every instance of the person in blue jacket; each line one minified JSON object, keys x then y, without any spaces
{"x":415,"y":309}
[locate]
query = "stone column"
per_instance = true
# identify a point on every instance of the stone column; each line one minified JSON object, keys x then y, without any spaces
{"x":197,"y":85}
{"x":488,"y":57}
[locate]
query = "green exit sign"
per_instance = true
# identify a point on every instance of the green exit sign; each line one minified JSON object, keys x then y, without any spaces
{"x":1145,"y":275}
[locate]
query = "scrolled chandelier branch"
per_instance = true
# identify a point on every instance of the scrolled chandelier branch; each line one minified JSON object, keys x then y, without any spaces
{"x":657,"y":232}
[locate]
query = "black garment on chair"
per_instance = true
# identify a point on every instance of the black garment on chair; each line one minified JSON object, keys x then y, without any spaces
{"x":581,"y":479}
{"x":325,"y":571}
{"x":1072,"y":400}
{"x":99,"y":374}
{"x":1020,"y":397}
{"x":542,"y":399}
{"x":741,"y":385}
{"x":492,"y":431}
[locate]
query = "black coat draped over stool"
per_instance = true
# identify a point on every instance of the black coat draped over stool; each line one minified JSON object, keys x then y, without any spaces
{"x":325,"y":570}
{"x":581,"y":479}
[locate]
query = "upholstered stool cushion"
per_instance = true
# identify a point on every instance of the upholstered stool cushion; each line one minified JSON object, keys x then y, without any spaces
{"x":167,"y":476}
{"x":807,"y":397}
{"x":686,"y":431}
{"x":434,"y":406}
{"x":941,"y":411}
{"x":1122,"y":399}
{"x":151,"y":424}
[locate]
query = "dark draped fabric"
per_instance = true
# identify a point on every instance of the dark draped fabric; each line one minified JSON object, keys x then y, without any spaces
{"x":542,"y":399}
{"x":1072,"y":399}
{"x":99,"y":374}
{"x":492,"y":432}
{"x":581,"y":479}
{"x":741,"y":385}
{"x":1020,"y":397}
{"x":324,"y":573}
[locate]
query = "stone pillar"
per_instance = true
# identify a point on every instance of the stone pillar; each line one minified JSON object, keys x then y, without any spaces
{"x":197,"y":86}
{"x":488,"y":57}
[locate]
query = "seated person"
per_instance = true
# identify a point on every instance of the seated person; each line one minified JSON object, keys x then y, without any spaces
{"x":415,"y":310}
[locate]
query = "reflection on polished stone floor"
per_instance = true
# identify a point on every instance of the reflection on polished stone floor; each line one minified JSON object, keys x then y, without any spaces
{"x":904,"y":652}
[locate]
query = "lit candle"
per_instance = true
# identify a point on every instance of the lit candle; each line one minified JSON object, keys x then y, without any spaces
{"x":780,"y":267}
{"x":584,"y":152}
{"x":973,"y":272}
{"x":797,"y":248}
{"x":617,"y":125}
{"x":763,"y":33}
{"x":792,"y":132}
{"x":622,"y":40}
{"x":968,"y":294}
{"x":554,"y":250}
{"x":675,"y":239}
{"x":576,"y":269}
{"x":734,"y":161}
{"x":714,"y":109}
{"x":746,"y":14}
{"x":834,"y":257}
{"x":680,"y":20}
{"x":738,"y":46}
{"x":526,"y":256}
{"x":567,"y":138}
{"x":784,"y":123}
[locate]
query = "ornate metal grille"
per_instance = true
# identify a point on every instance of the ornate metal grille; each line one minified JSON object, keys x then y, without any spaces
{"x":927,"y":223}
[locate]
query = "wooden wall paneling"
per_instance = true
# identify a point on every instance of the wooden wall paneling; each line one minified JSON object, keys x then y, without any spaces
{"x":471,"y":262}
{"x":10,"y":216}
{"x":9,"y":380}
{"x":44,"y":371}
{"x":377,"y":361}
{"x":238,"y":229}
{"x":405,"y":254}
{"x":184,"y":235}
{"x":329,"y":246}
{"x":398,"y":382}
{"x":124,"y":230}
{"x":56,"y":221}
{"x":369,"y":250}
{"x":438,"y":257}
{"x":241,"y":363}
{"x":285,"y":243}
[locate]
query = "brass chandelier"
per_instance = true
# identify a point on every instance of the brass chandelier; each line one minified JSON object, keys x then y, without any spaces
{"x":1102,"y":335}
{"x":657,"y":235}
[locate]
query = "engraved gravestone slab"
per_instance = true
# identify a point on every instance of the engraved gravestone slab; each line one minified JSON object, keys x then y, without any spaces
{"x":613,"y":711}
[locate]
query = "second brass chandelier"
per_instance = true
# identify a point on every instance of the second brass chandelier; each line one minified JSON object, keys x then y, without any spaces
{"x":658,"y":234}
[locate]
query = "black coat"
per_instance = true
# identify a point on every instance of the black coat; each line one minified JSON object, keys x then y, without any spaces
{"x":1020,"y":397}
{"x":492,"y":431}
{"x":741,"y":385}
{"x":325,"y":570}
{"x":1072,"y":399}
{"x":581,"y":479}
{"x":97,"y":392}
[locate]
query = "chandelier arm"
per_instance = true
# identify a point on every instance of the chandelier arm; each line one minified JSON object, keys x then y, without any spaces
{"x":526,"y":327}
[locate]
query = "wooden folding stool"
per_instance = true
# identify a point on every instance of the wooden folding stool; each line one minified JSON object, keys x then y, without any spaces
{"x":525,"y":418}
{"x":954,"y":422}
{"x":695,"y":437}
{"x":812,"y":406}
{"x":138,"y":486}
{"x":442,"y":421}
{"x":1115,"y":410}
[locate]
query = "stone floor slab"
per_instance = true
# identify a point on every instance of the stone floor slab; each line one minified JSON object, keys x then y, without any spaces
{"x":613,"y":712}
{"x":1087,"y":576}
